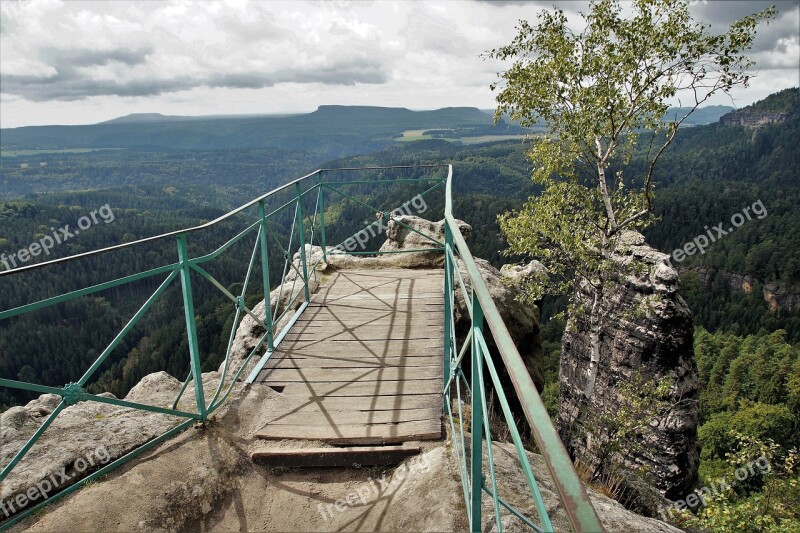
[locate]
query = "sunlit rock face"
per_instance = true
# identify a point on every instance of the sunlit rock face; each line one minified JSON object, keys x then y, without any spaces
{"x":646,"y":328}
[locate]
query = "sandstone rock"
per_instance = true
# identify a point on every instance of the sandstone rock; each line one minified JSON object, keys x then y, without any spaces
{"x":753,"y":119}
{"x":513,"y":487}
{"x":400,"y":237}
{"x":84,"y":436}
{"x":522,"y":321}
{"x":646,"y":328}
{"x":203,"y":481}
{"x":518,"y":274}
{"x":775,"y":294}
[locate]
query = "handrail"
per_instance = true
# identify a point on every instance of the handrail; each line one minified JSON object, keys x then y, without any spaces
{"x":180,"y":273}
{"x":210,"y":223}
{"x":571,"y":491}
{"x":480,"y":307}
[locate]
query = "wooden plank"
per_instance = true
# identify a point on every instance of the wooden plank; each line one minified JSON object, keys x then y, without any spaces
{"x":401,"y":300}
{"x":357,"y":433}
{"x":335,"y":363}
{"x":335,"y":457}
{"x":385,"y":285}
{"x":359,"y":388}
{"x":373,"y":305}
{"x":302,"y":402}
{"x":358,"y":316}
{"x":387,"y":316}
{"x":378,"y":348}
{"x":390,"y":273}
{"x":372,"y":336}
{"x":411,"y":289}
{"x":354,"y":318}
{"x":346,"y":375}
{"x":326,"y":417}
{"x":356,"y":353}
{"x":379,"y":331}
{"x":409,"y":292}
{"x":377,"y":323}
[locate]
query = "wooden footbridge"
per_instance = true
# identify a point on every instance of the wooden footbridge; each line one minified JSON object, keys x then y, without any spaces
{"x":367,"y":362}
{"x":362,"y":365}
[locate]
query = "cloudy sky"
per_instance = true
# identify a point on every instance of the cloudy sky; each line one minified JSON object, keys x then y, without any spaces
{"x":75,"y":62}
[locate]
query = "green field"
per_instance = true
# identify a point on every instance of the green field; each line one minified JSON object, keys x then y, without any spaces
{"x":17,"y":153}
{"x":418,"y":135}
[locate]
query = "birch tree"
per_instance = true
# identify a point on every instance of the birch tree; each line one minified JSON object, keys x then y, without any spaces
{"x":603,"y":95}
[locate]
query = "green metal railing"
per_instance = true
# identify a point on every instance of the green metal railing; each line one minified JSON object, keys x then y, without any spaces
{"x":483,"y":312}
{"x":261,"y":228}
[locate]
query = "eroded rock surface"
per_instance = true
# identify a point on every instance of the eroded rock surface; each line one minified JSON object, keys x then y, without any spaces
{"x":83,"y":437}
{"x":646,"y":328}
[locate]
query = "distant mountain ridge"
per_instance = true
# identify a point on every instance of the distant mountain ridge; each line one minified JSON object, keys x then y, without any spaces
{"x":139,"y":118}
{"x":342,"y":129}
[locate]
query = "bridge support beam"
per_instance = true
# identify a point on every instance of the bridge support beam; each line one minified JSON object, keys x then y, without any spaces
{"x":302,"y":237}
{"x":476,"y":427}
{"x":262,"y":235}
{"x":448,"y":310}
{"x":191,"y":326}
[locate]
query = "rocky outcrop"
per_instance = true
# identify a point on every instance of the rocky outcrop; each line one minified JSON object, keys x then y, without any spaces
{"x":519,"y":274}
{"x":83,"y":438}
{"x":203,"y":481}
{"x":407,"y":235}
{"x":775,"y":294}
{"x":521,"y":319}
{"x":753,"y":119}
{"x":645,"y":328}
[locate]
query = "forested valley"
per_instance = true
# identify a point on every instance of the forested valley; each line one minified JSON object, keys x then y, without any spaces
{"x":747,"y":346}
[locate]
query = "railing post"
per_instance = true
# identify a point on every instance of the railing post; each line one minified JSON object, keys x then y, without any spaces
{"x":476,"y":427}
{"x":191,"y":326}
{"x":322,"y":218}
{"x":262,"y":216}
{"x":448,"y":306}
{"x":302,"y":237}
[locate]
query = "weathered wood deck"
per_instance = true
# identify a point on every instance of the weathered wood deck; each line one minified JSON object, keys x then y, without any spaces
{"x":363,"y":365}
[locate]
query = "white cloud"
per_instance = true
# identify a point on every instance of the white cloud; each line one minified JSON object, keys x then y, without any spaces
{"x":79,"y":61}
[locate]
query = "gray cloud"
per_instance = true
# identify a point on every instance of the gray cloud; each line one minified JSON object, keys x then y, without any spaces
{"x":343,"y":73}
{"x":717,"y":12}
{"x":69,"y":58}
{"x":72,"y":82}
{"x":771,"y":37}
{"x":566,"y":5}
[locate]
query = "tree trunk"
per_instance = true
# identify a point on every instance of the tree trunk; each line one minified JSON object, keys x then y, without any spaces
{"x":594,"y":343}
{"x":601,"y":174}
